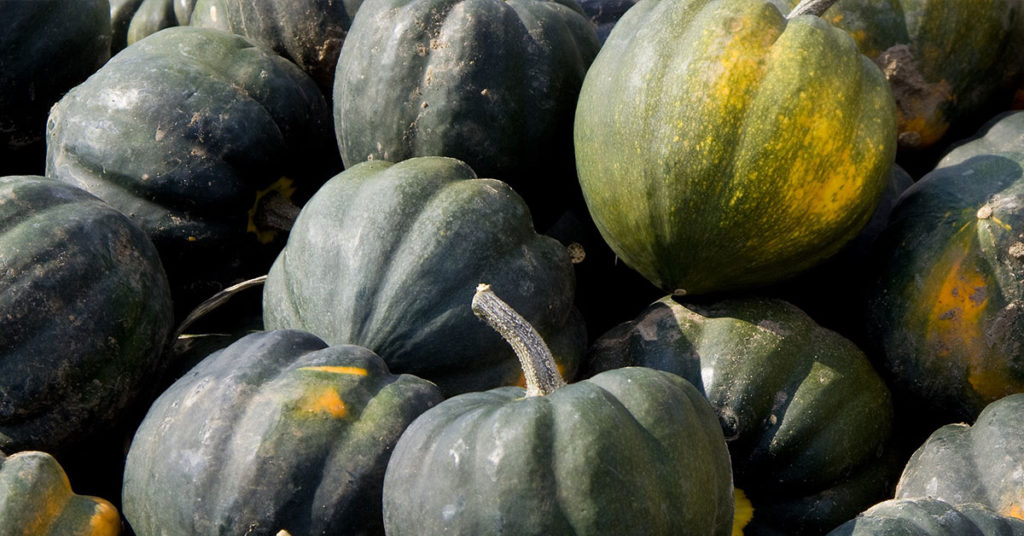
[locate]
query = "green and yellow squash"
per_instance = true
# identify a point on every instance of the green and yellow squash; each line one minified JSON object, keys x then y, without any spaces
{"x":721,"y":145}
{"x":36,"y":500}
{"x":276,"y":432}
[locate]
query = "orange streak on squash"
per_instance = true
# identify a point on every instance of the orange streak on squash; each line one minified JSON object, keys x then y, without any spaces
{"x":326,"y":401}
{"x":1014,"y":510}
{"x":105,"y":521}
{"x":354,"y":371}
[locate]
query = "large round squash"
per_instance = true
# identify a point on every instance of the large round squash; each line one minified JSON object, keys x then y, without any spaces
{"x":945,"y":303}
{"x":926,"y":516}
{"x":979,"y":463}
{"x":633,"y":451}
{"x":720,"y":145}
{"x":275,"y":432}
{"x":36,"y":499}
{"x":192,"y":132}
{"x":46,"y":48}
{"x":806,"y":417}
{"x":86,"y":313}
{"x":490,"y":82}
{"x":386,"y":256}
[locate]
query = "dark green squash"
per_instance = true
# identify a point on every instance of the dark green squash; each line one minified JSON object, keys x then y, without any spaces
{"x":275,"y":432}
{"x":132,"y":20}
{"x":927,"y":516}
{"x":46,"y":48}
{"x":721,"y":146}
{"x":86,"y":314}
{"x":490,"y":82}
{"x":979,"y":463}
{"x":194,"y":133}
{"x":806,"y":418}
{"x":36,"y":499}
{"x":633,"y":451}
{"x":944,"y":303}
{"x":386,"y":256}
{"x":307,"y":32}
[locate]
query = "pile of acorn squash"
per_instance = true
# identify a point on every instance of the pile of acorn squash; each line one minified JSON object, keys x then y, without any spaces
{"x":518,"y":267}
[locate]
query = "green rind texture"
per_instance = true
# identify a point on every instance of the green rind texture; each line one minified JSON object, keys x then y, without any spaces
{"x":927,"y":516}
{"x":242,"y":444}
{"x":631,"y":452}
{"x":86,"y":314}
{"x":806,"y":417}
{"x":388,"y":256}
{"x":720,"y":147}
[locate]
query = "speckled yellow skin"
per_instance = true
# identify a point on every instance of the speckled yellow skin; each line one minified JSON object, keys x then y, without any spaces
{"x":36,"y":500}
{"x":719,"y":146}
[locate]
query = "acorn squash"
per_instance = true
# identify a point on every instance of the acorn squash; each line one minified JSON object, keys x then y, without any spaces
{"x":927,"y":516}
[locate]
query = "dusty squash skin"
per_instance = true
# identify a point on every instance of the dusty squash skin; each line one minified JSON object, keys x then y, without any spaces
{"x":36,"y":499}
{"x":493,"y":83}
{"x":950,"y":63}
{"x":979,"y":463}
{"x":308,"y":32}
{"x":720,"y":146}
{"x":633,"y":451}
{"x":945,"y":303}
{"x":806,"y":417}
{"x":386,"y":256}
{"x":275,"y":432}
{"x":46,"y":48}
{"x":926,"y":516}
{"x":86,"y":314}
{"x":189,"y":132}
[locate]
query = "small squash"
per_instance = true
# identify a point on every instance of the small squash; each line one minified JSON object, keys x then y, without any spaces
{"x":633,"y":451}
{"x":386,"y":255}
{"x":721,"y":145}
{"x":86,"y":314}
{"x":806,"y":418}
{"x":979,"y":463}
{"x":276,"y":432}
{"x":36,"y":500}
{"x":132,"y":20}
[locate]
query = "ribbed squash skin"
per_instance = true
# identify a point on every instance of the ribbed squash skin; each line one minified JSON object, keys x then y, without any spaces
{"x":132,"y":20}
{"x":46,"y":48}
{"x":927,"y":516}
{"x":275,"y":432}
{"x":957,"y":61}
{"x":387,"y":256}
{"x":307,"y":32}
{"x":719,"y":146}
{"x":86,"y":314}
{"x":186,"y":132}
{"x":36,"y":500}
{"x":490,"y":82}
{"x":979,"y":463}
{"x":944,"y":305}
{"x":806,"y":417}
{"x":629,"y":452}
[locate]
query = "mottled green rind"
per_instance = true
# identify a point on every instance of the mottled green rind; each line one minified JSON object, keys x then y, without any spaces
{"x":388,"y":256}
{"x":490,"y":82}
{"x":308,"y":32}
{"x":46,"y":48}
{"x":979,"y":463}
{"x":235,"y":446}
{"x":806,"y":417}
{"x":945,"y":300}
{"x":632,"y":452}
{"x":181,"y":131}
{"x":86,"y":313}
{"x":929,"y":517}
{"x":720,"y":147}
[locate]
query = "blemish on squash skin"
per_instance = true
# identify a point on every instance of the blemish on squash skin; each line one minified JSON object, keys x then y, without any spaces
{"x":354,"y":371}
{"x":105,"y":520}
{"x":326,"y":401}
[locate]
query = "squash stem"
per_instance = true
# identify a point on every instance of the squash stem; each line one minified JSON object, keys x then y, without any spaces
{"x":811,"y":7}
{"x":538,"y":364}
